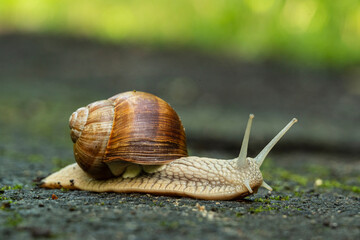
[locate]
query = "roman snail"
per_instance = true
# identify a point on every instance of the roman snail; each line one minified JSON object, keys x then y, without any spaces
{"x":135,"y":142}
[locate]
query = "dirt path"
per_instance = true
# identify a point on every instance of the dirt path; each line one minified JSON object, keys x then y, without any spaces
{"x":314,"y":171}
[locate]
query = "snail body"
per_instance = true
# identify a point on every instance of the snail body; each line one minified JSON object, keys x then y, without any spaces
{"x":197,"y":177}
{"x":194,"y":177}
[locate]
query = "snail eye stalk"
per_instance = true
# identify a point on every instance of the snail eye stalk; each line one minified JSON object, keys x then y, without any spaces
{"x":262,"y":155}
{"x":241,"y":162}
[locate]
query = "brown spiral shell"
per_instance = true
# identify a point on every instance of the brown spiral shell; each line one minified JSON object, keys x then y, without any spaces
{"x":134,"y":126}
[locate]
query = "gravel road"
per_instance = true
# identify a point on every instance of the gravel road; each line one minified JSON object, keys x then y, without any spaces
{"x":314,"y":170}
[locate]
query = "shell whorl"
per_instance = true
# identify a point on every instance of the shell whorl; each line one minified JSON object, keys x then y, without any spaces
{"x":134,"y":127}
{"x":77,"y":122}
{"x":90,"y":147}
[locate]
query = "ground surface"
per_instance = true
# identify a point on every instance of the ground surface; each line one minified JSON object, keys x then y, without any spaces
{"x":314,"y":170}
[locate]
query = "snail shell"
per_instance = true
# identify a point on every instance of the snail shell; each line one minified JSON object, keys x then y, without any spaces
{"x":128,"y":128}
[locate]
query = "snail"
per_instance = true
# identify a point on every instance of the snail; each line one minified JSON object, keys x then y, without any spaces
{"x":151,"y":156}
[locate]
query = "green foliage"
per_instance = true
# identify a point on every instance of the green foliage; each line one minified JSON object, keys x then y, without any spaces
{"x":286,"y":175}
{"x":35,"y":158}
{"x":169,"y":224}
{"x":14,"y":220}
{"x":282,"y":176}
{"x":298,"y":194}
{"x":280,"y":198}
{"x":15,"y":187}
{"x":337,"y":184}
{"x":292,"y":208}
{"x":157,"y":203}
{"x":239,"y":214}
{"x":270,"y":171}
{"x":311,"y":31}
{"x":262,"y":200}
{"x":261,"y":209}
{"x":318,"y":170}
{"x":268,"y":200}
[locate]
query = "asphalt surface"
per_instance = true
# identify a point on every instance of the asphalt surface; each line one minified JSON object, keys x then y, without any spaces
{"x":314,"y":170}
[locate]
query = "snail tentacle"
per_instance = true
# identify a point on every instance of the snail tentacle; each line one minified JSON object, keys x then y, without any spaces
{"x":247,"y":185}
{"x":244,"y":146}
{"x":265,"y":185}
{"x":262,"y":155}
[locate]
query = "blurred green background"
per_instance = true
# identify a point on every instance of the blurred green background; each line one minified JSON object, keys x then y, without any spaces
{"x":213,"y":61}
{"x":308,"y":32}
